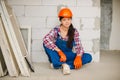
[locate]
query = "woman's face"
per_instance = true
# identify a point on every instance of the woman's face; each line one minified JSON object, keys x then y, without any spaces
{"x":66,"y":22}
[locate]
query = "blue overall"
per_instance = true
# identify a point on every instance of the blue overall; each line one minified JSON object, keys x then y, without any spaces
{"x":70,"y":55}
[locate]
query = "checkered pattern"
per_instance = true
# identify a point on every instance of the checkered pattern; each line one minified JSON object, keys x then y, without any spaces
{"x":50,"y":39}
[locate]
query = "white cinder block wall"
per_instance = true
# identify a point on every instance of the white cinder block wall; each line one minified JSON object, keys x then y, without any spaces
{"x":41,"y":15}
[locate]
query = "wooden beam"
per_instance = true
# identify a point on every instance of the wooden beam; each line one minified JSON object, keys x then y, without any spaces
{"x":13,"y":40}
{"x":16,"y":29}
{"x":21,"y":42}
{"x":7,"y":52}
{"x":18,"y":34}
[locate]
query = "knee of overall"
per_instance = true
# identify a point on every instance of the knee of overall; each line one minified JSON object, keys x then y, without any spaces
{"x":89,"y":58}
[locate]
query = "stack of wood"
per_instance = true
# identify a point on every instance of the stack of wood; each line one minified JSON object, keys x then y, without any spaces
{"x":14,"y":57}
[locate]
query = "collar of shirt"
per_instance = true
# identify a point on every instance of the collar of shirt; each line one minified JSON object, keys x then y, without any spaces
{"x":66,"y":38}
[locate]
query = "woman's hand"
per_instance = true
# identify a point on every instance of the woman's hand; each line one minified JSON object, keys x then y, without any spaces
{"x":78,"y":62}
{"x":62,"y":56}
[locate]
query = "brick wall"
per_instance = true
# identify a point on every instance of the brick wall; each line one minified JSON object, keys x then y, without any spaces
{"x":42,"y":16}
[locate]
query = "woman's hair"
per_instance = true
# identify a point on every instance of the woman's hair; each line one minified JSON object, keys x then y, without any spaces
{"x":70,"y":35}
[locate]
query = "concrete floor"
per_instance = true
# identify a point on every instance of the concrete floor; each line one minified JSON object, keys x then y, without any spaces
{"x":107,"y":69}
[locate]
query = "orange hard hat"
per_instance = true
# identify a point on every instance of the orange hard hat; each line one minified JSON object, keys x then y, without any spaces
{"x":65,"y":12}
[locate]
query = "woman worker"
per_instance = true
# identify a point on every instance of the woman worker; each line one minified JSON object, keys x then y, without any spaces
{"x":60,"y":42}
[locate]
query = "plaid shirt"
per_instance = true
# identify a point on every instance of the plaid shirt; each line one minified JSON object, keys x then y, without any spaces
{"x":50,"y":39}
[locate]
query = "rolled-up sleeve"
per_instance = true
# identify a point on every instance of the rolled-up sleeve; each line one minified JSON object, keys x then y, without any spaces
{"x":78,"y":45}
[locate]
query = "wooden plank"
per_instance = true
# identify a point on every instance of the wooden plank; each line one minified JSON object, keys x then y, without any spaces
{"x":13,"y":41}
{"x":18,"y":34}
{"x":7,"y":52}
{"x":27,"y":39}
{"x":21,"y":42}
{"x":16,"y":29}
